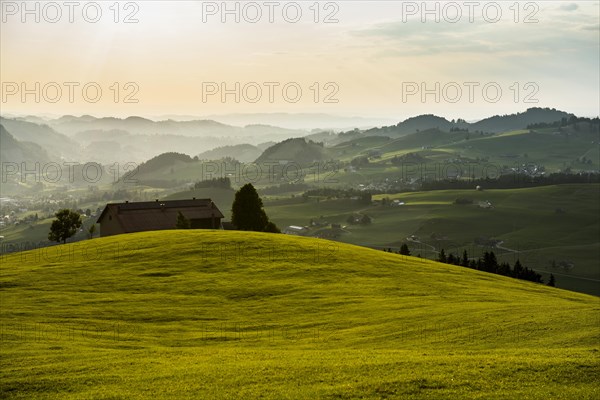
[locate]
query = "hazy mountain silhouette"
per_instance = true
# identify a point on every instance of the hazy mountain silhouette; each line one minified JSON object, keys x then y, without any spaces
{"x":54,"y":143}
{"x":13,"y":150}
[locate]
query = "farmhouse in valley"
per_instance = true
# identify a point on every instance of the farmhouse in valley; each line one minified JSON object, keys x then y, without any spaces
{"x":117,"y":218}
{"x":295,"y":230}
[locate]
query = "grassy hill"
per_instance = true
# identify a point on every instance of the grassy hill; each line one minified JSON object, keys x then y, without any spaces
{"x":213,"y":314}
{"x":242,"y":152}
{"x":297,"y":150}
{"x":502,"y":123}
{"x":548,"y":147}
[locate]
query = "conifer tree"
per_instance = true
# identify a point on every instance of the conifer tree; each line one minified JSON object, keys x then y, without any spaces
{"x":247,"y":212}
{"x":442,"y":257}
{"x":404,"y":250}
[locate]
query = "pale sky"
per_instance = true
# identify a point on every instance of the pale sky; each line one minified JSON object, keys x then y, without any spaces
{"x":374,"y":54}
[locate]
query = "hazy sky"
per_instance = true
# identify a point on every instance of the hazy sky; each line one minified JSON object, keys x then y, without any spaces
{"x":375,"y":60}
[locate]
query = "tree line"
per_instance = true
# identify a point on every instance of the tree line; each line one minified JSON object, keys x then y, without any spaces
{"x":513,"y":181}
{"x":222,"y":183}
{"x":567,"y":121}
{"x":487,"y":263}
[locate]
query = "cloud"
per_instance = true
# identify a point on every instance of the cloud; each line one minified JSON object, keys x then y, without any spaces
{"x":569,"y":7}
{"x":591,"y":28}
{"x":555,"y":34}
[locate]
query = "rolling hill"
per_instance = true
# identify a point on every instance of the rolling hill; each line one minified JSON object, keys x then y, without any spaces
{"x":297,"y":150}
{"x":553,"y":148}
{"x":157,"y":171}
{"x":191,"y":314}
{"x":242,"y":152}
{"x":425,"y":122}
{"x":511,"y":122}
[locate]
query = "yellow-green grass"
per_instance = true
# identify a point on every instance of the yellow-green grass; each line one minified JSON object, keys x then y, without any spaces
{"x":220,"y":314}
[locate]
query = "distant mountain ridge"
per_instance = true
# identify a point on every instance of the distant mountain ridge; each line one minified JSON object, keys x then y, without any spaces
{"x":494,"y":124}
{"x":70,"y":125}
{"x":135,"y":139}
{"x":297,"y":121}
{"x":135,"y":125}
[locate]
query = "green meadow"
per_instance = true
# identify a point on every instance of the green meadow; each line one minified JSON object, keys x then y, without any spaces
{"x":539,"y":225}
{"x":224,"y":315}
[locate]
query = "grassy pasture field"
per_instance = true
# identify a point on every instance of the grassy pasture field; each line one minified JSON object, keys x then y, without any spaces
{"x":525,"y":220}
{"x":222,"y":314}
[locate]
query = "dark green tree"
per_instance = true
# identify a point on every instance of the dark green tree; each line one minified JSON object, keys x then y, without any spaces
{"x":404,"y":250}
{"x":503,"y":269}
{"x":450,"y":259}
{"x":247,"y":212}
{"x":272,"y":228}
{"x":91,"y":231}
{"x":465,"y":259}
{"x":182,"y":221}
{"x":490,"y":262}
{"x":517,"y":270}
{"x":442,"y":258}
{"x":64,"y":226}
{"x":552,"y":281}
{"x":365,"y":220}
